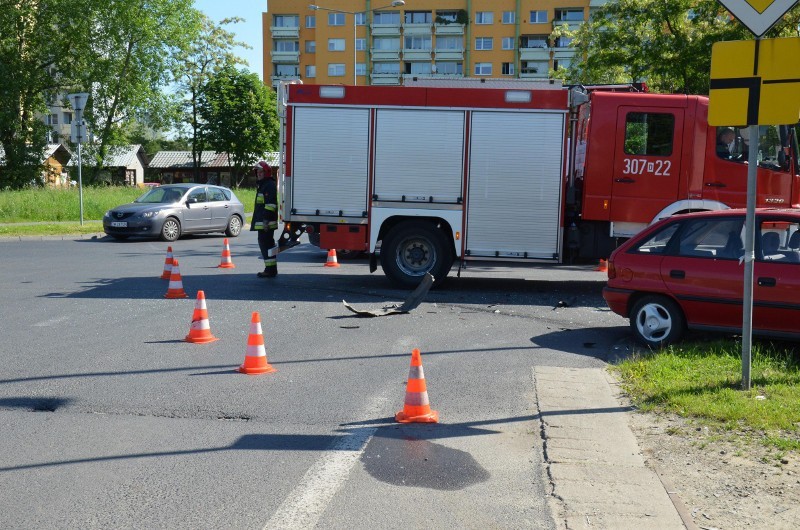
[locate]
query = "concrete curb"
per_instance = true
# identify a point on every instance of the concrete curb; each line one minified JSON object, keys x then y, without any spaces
{"x":597,"y":475}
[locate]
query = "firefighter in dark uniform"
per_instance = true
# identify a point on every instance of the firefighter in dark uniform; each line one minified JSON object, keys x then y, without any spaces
{"x":265,"y":217}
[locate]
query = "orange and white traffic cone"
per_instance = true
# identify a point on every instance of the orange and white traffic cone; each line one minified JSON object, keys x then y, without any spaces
{"x":175,"y":289}
{"x":332,"y":261}
{"x":602,"y":266}
{"x":255,"y":360}
{"x":417,"y":408}
{"x":199,"y":329}
{"x":167,"y":265}
{"x":226,"y":262}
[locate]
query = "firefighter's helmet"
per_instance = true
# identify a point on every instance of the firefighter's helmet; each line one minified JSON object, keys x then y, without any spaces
{"x":262,"y":164}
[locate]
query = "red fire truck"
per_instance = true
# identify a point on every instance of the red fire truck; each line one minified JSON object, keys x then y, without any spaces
{"x":423,"y":177}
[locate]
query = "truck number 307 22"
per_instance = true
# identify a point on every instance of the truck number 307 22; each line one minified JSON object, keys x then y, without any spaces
{"x":640,"y":166}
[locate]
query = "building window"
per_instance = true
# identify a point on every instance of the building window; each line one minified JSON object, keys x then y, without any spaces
{"x":418,"y":68}
{"x":483,"y":68}
{"x":568,"y":15}
{"x":509,"y":17}
{"x":483,"y":43}
{"x":311,"y":46}
{"x":361,"y":69}
{"x":508,"y":69}
{"x":387,"y":18}
{"x":286,"y":21}
{"x":287,"y":70}
{"x":418,"y":42}
{"x":484,"y":17}
{"x":446,"y":17}
{"x":361,"y":19}
{"x":538,"y":17}
{"x":508,"y":43}
{"x":287,"y":46}
{"x":561,"y":63}
{"x":54,"y":119}
{"x":386,"y":68}
{"x":311,"y":71}
{"x":361,"y":44}
{"x":336,"y":70}
{"x":335,"y":45}
{"x":450,"y":68}
{"x":311,"y":21}
{"x":67,"y":118}
{"x":533,"y":41}
{"x":417,"y":17}
{"x":534,"y":67}
{"x":386,"y":44}
{"x":448,"y":43}
{"x":336,"y":19}
{"x":563,"y":42}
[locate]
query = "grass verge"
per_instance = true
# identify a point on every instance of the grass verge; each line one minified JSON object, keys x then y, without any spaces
{"x":703,"y":381}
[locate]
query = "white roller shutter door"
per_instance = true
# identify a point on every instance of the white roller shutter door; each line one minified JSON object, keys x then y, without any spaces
{"x":329,"y":171}
{"x":514,"y":203}
{"x":419,"y":155}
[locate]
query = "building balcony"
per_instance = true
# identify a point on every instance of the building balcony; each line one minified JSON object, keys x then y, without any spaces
{"x":385,"y":55}
{"x":276,"y":79}
{"x":444,"y":76}
{"x":284,"y":33}
{"x":541,"y":74}
{"x":416,"y":55}
{"x":449,"y":29}
{"x":417,"y":29}
{"x":449,"y":55}
{"x":285,"y":57}
{"x":571,"y":25}
{"x":563,"y":53}
{"x":598,"y":3}
{"x":534,"y":54}
{"x":385,"y":79}
{"x":385,"y":30}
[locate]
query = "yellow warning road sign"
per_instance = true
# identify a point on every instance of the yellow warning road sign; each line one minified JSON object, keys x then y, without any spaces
{"x":755,"y":82}
{"x":758,"y":15}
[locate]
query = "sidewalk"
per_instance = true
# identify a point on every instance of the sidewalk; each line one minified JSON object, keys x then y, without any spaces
{"x":597,"y":475}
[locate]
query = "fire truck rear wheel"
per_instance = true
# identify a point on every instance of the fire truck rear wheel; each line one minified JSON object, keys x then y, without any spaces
{"x":413,"y":248}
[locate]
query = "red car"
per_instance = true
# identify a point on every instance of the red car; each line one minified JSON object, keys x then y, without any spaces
{"x":687,"y":272}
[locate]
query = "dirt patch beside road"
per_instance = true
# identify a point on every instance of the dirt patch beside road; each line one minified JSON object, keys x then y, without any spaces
{"x":725,"y":481}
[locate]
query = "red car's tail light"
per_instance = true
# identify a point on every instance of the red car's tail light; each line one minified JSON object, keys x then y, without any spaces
{"x":612,"y":271}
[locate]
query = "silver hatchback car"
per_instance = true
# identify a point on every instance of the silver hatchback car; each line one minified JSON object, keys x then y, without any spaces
{"x":169,"y":211}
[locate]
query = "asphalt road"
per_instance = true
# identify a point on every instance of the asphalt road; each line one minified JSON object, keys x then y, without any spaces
{"x":110,"y":420}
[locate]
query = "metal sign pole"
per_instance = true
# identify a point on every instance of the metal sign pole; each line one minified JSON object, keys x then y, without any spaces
{"x":78,"y":102}
{"x":80,"y":181}
{"x":749,"y":255}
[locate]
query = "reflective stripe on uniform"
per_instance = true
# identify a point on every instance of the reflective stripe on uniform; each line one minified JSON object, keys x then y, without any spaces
{"x":272,"y":225}
{"x":260,"y":198}
{"x":258,"y":225}
{"x":271,"y":207}
{"x":272,"y":262}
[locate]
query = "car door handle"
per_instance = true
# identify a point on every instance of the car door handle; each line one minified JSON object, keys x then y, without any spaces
{"x":625,"y":180}
{"x":677,"y":274}
{"x":767,"y":282}
{"x":716,"y":185}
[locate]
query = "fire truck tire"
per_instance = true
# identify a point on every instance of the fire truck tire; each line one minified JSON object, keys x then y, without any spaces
{"x":412,"y":249}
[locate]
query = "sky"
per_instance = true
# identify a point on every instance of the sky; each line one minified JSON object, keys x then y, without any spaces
{"x":248,"y":31}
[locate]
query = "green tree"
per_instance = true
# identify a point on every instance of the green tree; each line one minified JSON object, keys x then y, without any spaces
{"x":29,"y":48}
{"x":240,"y":118}
{"x":130,"y":50}
{"x":196,"y":64}
{"x":666,"y":43}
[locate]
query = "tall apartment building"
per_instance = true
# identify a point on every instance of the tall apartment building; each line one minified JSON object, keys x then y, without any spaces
{"x":373,"y":42}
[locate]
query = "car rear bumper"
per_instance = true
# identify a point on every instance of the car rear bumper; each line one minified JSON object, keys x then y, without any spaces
{"x":617,"y":299}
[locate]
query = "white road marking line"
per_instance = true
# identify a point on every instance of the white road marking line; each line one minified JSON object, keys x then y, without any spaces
{"x":51,"y":322}
{"x":304,"y":506}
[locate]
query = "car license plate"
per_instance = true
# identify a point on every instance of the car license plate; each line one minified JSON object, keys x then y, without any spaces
{"x":119,"y":224}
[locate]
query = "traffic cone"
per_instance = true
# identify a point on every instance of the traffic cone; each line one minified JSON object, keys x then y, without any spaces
{"x":226,"y":262}
{"x":602,"y":266}
{"x":255,"y":360}
{"x":332,"y":261}
{"x":199,"y":329}
{"x":167,"y":265}
{"x":416,"y":408}
{"x":175,"y":289}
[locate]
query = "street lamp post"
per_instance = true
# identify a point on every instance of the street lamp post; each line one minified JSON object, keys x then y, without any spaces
{"x":315,"y":7}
